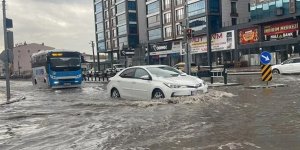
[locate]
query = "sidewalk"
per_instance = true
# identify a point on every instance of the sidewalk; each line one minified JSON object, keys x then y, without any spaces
{"x":244,"y":70}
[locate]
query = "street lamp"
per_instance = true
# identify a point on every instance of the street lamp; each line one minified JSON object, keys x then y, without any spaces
{"x":93,"y":45}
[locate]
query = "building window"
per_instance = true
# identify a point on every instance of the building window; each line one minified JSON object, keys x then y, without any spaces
{"x":132,"y":29}
{"x":107,"y":33}
{"x":123,"y":41}
{"x":167,"y":4}
{"x":133,"y":40}
{"x":106,"y":14}
{"x":113,"y":22}
{"x":105,"y":4}
{"x":154,"y":34}
{"x":114,"y":43}
{"x":99,"y":27}
{"x":153,"y":7}
{"x":100,"y":36}
{"x":122,"y":30}
{"x":99,"y":17}
{"x":178,"y":29}
{"x":132,"y":16}
{"x":167,"y":18}
{"x":167,"y":32}
{"x":120,"y":7}
{"x":233,"y":21}
{"x":114,"y":32}
{"x":98,"y":7}
{"x":106,"y":24}
{"x":131,"y":5}
{"x":179,"y":2}
{"x":153,"y":21}
{"x":121,"y":19}
{"x":198,"y":23}
{"x":112,"y":2}
{"x":113,"y":11}
{"x":233,"y":8}
{"x":108,"y":45}
{"x":179,"y":14}
{"x":101,"y":46}
{"x":196,"y":8}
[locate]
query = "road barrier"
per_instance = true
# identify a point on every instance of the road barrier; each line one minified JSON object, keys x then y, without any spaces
{"x":217,"y":72}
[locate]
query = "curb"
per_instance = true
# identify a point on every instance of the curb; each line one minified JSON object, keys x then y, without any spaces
{"x":266,"y":87}
{"x":222,"y":84}
{"x":13,"y":100}
{"x":243,"y":73}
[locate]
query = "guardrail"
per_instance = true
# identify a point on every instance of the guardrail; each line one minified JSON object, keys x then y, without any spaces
{"x":97,"y":77}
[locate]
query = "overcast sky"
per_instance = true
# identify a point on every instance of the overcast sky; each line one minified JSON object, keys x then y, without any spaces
{"x":67,"y":24}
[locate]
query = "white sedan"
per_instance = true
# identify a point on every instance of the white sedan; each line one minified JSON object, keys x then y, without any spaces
{"x":154,"y":82}
{"x":289,"y":66}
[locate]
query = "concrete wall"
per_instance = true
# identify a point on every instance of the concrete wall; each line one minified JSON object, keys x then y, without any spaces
{"x":242,"y":10}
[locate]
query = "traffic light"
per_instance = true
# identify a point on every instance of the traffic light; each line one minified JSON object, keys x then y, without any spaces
{"x":189,"y":33}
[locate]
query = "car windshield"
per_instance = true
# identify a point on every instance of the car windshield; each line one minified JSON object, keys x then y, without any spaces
{"x":65,"y":64}
{"x":164,"y":71}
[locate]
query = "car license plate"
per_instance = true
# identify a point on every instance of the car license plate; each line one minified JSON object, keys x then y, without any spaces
{"x":193,"y":92}
{"x":67,"y":84}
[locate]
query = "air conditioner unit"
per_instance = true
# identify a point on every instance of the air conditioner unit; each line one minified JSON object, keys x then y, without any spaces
{"x":279,"y":11}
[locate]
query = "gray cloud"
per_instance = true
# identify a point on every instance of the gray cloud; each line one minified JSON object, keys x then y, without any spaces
{"x":67,"y":24}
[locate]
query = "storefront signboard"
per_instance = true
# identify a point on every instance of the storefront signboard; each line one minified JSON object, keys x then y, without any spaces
{"x":282,"y":30}
{"x":223,"y":41}
{"x":165,"y":48}
{"x":248,"y":36}
{"x":199,"y":44}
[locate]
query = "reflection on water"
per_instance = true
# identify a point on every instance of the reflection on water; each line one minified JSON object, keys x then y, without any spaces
{"x":86,"y":118}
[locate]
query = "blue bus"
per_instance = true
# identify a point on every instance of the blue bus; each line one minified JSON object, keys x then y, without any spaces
{"x":56,"y":69}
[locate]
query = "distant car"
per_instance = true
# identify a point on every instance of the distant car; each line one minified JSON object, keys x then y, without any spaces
{"x":194,"y":68}
{"x":289,"y":66}
{"x":118,"y":67}
{"x":154,"y":82}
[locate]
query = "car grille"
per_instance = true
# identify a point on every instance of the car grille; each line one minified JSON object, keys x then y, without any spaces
{"x":195,"y":86}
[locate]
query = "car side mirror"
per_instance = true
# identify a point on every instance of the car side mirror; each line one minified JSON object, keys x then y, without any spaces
{"x":145,"y":77}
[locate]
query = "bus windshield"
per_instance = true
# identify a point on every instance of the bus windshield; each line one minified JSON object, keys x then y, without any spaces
{"x":65,"y":63}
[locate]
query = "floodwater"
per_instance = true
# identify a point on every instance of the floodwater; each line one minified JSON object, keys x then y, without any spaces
{"x":227,"y":118}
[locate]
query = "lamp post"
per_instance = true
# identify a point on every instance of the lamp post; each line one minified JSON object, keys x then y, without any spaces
{"x":93,"y":45}
{"x":7,"y":72}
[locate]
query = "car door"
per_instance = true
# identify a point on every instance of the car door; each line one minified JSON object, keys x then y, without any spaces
{"x":286,"y":66}
{"x":125,"y":83}
{"x":296,"y":65}
{"x":142,"y":87}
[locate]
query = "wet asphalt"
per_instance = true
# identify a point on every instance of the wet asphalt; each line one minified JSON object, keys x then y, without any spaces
{"x":232,"y":117}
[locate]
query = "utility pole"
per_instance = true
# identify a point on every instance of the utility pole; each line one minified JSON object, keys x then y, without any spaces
{"x":93,"y":45}
{"x":186,"y":39}
{"x":7,"y":72}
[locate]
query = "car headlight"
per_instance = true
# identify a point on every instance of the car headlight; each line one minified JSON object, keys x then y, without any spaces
{"x":78,"y":76}
{"x":52,"y":76}
{"x":172,"y":85}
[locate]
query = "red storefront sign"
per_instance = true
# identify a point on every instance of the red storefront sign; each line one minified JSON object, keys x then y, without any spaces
{"x":281,"y":30}
{"x":248,"y":36}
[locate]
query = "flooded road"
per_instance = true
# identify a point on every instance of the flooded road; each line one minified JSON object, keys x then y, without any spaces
{"x":225,"y":118}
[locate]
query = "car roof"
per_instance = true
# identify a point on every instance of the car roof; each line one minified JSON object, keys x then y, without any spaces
{"x":146,"y":66}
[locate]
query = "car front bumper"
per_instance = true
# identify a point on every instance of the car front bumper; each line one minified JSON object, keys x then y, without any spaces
{"x":177,"y":92}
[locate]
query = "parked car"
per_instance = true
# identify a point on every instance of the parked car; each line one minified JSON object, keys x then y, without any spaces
{"x":289,"y":66}
{"x":194,"y":68}
{"x":118,"y":67}
{"x":153,"y":82}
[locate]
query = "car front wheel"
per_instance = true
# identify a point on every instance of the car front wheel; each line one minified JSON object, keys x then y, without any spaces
{"x":115,"y":93}
{"x":157,"y":94}
{"x":275,"y":71}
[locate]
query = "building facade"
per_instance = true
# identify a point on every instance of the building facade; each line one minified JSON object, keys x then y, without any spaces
{"x":274,"y":27}
{"x":116,"y":24}
{"x":166,"y":20}
{"x":22,"y":57}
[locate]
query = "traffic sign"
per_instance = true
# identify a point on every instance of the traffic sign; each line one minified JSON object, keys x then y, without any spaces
{"x":265,"y":58}
{"x":266,"y":71}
